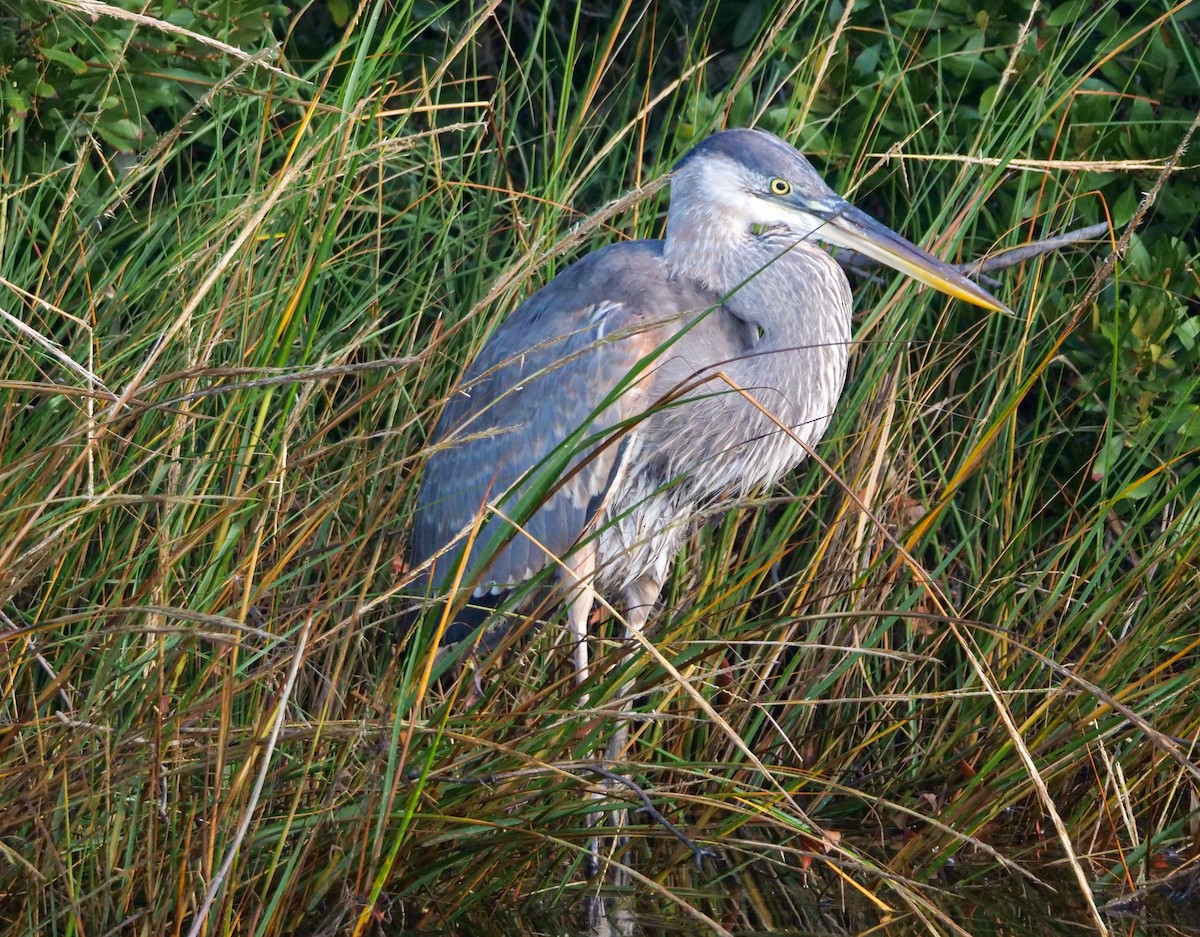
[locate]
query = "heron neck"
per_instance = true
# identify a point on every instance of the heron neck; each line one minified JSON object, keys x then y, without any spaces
{"x":790,"y":289}
{"x":711,"y":254}
{"x":728,"y":258}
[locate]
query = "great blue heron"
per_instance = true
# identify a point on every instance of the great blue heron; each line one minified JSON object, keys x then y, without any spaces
{"x":654,"y":379}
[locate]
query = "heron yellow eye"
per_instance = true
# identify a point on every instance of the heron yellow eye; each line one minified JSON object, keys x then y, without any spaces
{"x":780,"y":187}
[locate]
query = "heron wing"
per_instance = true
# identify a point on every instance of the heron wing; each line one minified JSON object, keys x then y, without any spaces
{"x":535,"y":428}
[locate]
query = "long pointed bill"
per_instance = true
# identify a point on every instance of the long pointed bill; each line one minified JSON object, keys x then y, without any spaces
{"x":846,"y":226}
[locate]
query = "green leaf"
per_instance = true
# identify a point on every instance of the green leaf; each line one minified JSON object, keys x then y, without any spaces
{"x":14,"y":102}
{"x":921,"y":19}
{"x":1068,"y":13}
{"x":1124,"y":207}
{"x":1107,"y":457}
{"x":64,"y":57}
{"x":1140,"y":489}
{"x":748,"y":24}
{"x":122,"y":134}
{"x":867,"y":61}
{"x":988,"y":99}
{"x":339,"y":12}
{"x":1137,"y":258}
{"x":1186,"y":332}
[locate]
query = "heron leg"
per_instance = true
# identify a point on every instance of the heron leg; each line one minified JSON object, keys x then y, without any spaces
{"x":639,"y":603}
{"x":582,"y":576}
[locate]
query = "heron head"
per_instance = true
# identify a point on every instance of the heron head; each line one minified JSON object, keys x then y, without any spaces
{"x":737,"y":182}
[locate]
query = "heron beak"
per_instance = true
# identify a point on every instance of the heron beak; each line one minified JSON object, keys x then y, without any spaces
{"x":846,"y":226}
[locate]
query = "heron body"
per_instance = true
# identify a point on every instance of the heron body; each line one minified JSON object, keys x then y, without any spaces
{"x":682,"y":372}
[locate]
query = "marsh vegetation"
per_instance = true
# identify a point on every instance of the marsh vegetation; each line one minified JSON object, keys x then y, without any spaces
{"x":246,"y":250}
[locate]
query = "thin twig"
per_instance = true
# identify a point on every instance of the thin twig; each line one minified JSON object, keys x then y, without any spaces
{"x":698,"y":852}
{"x":863,"y":266}
{"x":578,"y":768}
{"x":1038,"y":165}
{"x":270,"y":377}
{"x":8,"y":627}
{"x":51,"y":347}
{"x":1017,"y":255}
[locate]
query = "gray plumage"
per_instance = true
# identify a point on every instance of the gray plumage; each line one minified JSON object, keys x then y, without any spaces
{"x":635,"y":354}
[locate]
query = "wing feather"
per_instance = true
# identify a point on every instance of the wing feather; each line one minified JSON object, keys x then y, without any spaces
{"x":543,"y":393}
